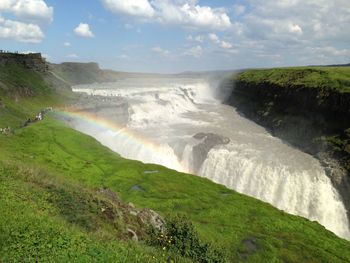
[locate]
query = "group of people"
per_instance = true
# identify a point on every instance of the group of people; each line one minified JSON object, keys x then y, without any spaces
{"x":38,"y":117}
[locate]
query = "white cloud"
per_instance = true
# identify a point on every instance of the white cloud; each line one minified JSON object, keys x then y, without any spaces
{"x":198,"y":38}
{"x":195,"y":52}
{"x":31,"y":13}
{"x":28,"y":52}
{"x":161,"y":51}
{"x":83,"y":30}
{"x":177,"y":12}
{"x":303,"y":19}
{"x":214,"y":38}
{"x":193,"y":15}
{"x":72,"y":56}
{"x":19,"y":31}
{"x":46,"y":56}
{"x":239,"y":9}
{"x":329,"y":50}
{"x":141,"y":8}
{"x":29,"y":10}
{"x":123,"y":56}
{"x":67,"y":44}
{"x":225,"y":45}
{"x":294,"y":28}
{"x":217,"y":41}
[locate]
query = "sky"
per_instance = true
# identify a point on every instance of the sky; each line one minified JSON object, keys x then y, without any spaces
{"x":169,"y":36}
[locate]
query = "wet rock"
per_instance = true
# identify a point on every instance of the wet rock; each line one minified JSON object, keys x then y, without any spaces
{"x":201,"y":150}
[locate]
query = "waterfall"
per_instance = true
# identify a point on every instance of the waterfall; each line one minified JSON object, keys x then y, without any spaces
{"x":177,"y":122}
{"x":307,"y":193}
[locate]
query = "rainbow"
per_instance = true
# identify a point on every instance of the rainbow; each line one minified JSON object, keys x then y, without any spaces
{"x":124,"y":134}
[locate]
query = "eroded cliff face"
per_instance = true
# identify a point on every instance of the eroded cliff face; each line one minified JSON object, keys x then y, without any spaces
{"x":316,"y":121}
{"x":33,"y":61}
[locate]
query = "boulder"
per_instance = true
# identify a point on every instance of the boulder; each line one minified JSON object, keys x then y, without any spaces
{"x":148,"y":216}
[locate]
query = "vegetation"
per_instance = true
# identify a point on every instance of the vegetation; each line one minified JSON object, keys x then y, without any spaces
{"x":24,"y":92}
{"x":181,"y":238}
{"x":221,"y":216}
{"x":329,"y":78}
{"x":16,"y":80}
{"x":51,"y":209}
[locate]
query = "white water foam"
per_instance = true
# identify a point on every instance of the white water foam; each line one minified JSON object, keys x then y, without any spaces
{"x":168,"y":112}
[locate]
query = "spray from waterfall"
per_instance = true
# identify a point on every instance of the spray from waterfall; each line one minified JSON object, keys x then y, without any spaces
{"x":179,"y":124}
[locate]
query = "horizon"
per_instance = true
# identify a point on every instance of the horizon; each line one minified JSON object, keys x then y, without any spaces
{"x":176,"y":36}
{"x":170,"y":73}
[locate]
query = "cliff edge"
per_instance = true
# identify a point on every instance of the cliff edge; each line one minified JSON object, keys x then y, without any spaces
{"x":308,"y":107}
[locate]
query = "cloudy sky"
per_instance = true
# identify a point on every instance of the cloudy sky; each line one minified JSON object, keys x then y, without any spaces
{"x":179,"y":35}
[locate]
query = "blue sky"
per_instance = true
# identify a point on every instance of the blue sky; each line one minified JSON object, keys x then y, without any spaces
{"x":179,"y":35}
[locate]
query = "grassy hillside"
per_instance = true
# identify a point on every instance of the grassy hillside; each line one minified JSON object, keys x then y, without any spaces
{"x":52,"y":210}
{"x":47,"y":155}
{"x":332,"y":78}
{"x":16,"y":80}
{"x":24,"y":92}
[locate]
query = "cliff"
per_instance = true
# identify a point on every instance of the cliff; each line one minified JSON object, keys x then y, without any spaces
{"x":32,"y":61}
{"x":306,"y":107}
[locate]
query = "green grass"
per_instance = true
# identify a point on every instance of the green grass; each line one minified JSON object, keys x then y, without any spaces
{"x":50,"y":210}
{"x":23,"y":93}
{"x":330,"y":78}
{"x":222,"y":217}
{"x":33,"y":227}
{"x":16,"y":80}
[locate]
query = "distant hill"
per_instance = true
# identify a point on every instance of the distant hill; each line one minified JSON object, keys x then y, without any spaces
{"x":333,"y":65}
{"x":87,"y":73}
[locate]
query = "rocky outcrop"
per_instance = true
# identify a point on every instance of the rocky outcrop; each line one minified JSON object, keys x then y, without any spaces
{"x":137,"y":222}
{"x":32,"y":61}
{"x":206,"y":141}
{"x":316,"y":120}
{"x":148,"y":216}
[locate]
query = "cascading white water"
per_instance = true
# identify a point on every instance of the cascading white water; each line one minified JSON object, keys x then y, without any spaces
{"x":187,"y":129}
{"x":308,"y":193}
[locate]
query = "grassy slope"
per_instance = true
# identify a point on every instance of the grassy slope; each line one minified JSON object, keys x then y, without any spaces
{"x":17,"y":83}
{"x":33,"y":228}
{"x":221,"y":216}
{"x":46,"y":156}
{"x":336,"y":78}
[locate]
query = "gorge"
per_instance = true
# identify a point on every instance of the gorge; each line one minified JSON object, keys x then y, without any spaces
{"x":181,"y":122}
